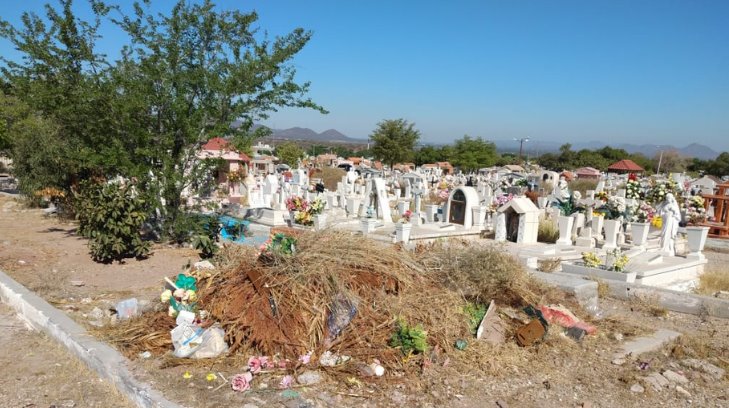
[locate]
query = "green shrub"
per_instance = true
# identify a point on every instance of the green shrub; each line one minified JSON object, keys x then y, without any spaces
{"x":111,"y":215}
{"x":547,"y":232}
{"x":409,"y":339}
{"x":199,"y":229}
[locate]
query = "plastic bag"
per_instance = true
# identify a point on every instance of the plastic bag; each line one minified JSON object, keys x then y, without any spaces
{"x":213,"y":343}
{"x":186,"y":339}
{"x":127,"y":308}
{"x":341,"y":313}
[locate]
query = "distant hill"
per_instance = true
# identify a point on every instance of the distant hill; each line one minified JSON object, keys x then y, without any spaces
{"x":306,"y":134}
{"x":649,"y":150}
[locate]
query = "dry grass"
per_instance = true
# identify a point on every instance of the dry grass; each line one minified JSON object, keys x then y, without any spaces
{"x":713,"y":280}
{"x":649,"y":304}
{"x":549,"y":265}
{"x":582,"y":186}
{"x":548,"y":232}
{"x":330,"y":176}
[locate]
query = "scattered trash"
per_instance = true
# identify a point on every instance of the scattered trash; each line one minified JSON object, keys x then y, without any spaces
{"x":531,"y":333}
{"x":309,"y":378}
{"x":341,"y":312}
{"x":127,"y":308}
{"x":187,"y":375}
{"x":290,"y":394}
{"x":644,"y":365}
{"x":329,"y":359}
{"x":377,"y":368}
{"x":576,"y":333}
{"x":186,"y":339}
{"x":461,"y":344}
{"x":561,"y":316}
{"x":305,"y":358}
{"x":77,"y":283}
{"x":211,"y":377}
{"x":286,"y":382}
{"x":213,"y":343}
{"x":145,"y":355}
{"x":490,"y":329}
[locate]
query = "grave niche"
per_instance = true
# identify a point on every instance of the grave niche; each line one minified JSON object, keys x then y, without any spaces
{"x":517,"y":221}
{"x":459,"y":205}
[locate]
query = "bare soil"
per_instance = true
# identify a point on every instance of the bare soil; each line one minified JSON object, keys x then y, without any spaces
{"x":46,"y":256}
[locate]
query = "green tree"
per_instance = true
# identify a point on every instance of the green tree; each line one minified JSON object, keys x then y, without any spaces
{"x":289,"y":153}
{"x":429,"y":154}
{"x":394,"y":140}
{"x":470,"y":154}
{"x":720,"y":166}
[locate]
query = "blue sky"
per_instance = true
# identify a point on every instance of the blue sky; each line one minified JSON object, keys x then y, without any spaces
{"x":643,"y":72}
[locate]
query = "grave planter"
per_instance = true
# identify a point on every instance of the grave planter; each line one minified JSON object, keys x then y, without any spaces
{"x":402,"y":232}
{"x":639,"y":231}
{"x":696,"y":239}
{"x":479,"y":216}
{"x":320,"y":222}
{"x":368,"y":225}
{"x":565,"y":229}
{"x":628,"y":277}
{"x":430,"y":211}
{"x":612,"y":227}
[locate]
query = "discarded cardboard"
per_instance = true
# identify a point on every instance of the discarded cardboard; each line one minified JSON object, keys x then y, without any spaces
{"x":530,"y":334}
{"x":490,"y":329}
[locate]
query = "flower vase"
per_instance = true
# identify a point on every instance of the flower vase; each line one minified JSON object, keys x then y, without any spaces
{"x":696,"y":237}
{"x":597,"y":224}
{"x":368,"y":225}
{"x":402,"y":232}
{"x":430,"y":211}
{"x":320,"y":221}
{"x":612,"y":227}
{"x":292,"y":218}
{"x":639,"y":231}
{"x":479,"y":216}
{"x":565,"y":229}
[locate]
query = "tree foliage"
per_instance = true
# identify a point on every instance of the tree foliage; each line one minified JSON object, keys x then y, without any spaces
{"x":289,"y":153}
{"x":182,"y":79}
{"x":470,"y":154}
{"x":395,"y":141}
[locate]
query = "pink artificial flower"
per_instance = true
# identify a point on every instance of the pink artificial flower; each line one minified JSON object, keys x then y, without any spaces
{"x":305,"y":358}
{"x":268,"y":363}
{"x":254,"y":364}
{"x":241,"y":382}
{"x":286,"y":382}
{"x":282,"y":364}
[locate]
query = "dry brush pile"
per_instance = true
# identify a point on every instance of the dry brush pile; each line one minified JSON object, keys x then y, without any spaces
{"x":346,"y":293}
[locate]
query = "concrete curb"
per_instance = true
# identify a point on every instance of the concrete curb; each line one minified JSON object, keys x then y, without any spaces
{"x":676,"y":301}
{"x":106,"y":361}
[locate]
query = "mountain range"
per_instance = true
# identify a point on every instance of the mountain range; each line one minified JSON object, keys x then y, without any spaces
{"x":532,"y":147}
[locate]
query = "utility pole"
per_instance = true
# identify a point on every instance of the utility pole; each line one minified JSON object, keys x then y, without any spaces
{"x":521,"y":145}
{"x":660,"y":159}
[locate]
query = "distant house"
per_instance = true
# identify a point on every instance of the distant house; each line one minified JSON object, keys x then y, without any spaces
{"x":404,"y":167}
{"x":514,"y":168}
{"x":326,"y":159}
{"x":234,"y":163}
{"x":625,"y":166}
{"x":589,"y":173}
{"x":706,"y":184}
{"x":263,"y":164}
{"x":437,"y":169}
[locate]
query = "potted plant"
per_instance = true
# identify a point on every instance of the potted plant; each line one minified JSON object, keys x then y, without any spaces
{"x":614,"y":210}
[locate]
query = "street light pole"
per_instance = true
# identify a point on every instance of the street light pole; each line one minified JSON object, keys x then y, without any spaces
{"x":660,"y":159}
{"x":521,"y":145}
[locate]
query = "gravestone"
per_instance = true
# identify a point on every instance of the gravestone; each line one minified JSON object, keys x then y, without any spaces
{"x":459,"y":205}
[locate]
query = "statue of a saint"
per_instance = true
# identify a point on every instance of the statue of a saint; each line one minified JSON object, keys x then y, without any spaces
{"x":670,"y":217}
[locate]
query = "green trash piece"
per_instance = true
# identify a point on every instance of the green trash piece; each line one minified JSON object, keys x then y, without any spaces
{"x":461,"y":344}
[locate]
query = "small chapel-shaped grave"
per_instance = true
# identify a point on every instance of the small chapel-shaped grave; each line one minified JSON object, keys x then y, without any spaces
{"x":517,"y":221}
{"x":459,"y":205}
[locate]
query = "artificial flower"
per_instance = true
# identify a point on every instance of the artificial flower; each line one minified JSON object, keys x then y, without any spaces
{"x":171,"y":311}
{"x":179,"y":293}
{"x":241,"y":382}
{"x":191,"y":296}
{"x":187,"y":375}
{"x":305,"y":358}
{"x":254,"y":364}
{"x":211,"y":377}
{"x":165,"y":296}
{"x":286,"y":382}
